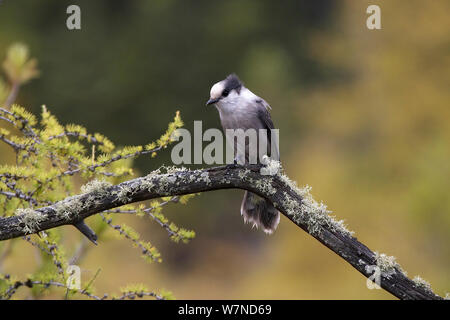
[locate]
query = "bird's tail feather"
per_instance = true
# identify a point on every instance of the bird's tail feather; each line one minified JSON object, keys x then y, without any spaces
{"x":260,"y":212}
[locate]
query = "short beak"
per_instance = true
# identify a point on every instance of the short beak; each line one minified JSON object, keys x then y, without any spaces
{"x":211,"y":101}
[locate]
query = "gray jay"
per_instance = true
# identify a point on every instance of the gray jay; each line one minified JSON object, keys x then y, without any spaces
{"x":239,"y":108}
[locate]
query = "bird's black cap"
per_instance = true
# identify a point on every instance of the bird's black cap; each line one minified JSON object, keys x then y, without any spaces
{"x":232,"y":82}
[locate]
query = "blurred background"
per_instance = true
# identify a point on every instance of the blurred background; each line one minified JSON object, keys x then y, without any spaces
{"x":363,"y":117}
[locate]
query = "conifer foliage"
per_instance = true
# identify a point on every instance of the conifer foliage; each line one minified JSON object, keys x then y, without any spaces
{"x":53,"y":161}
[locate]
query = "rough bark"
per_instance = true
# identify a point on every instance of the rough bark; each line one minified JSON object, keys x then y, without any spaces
{"x":183,"y":182}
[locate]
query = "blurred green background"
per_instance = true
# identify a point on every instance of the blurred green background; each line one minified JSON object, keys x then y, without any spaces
{"x":363,"y":117}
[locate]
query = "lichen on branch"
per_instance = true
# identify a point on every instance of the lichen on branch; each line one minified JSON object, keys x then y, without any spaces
{"x":51,"y":161}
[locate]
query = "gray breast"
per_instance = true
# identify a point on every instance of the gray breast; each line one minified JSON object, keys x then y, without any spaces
{"x":246,"y":117}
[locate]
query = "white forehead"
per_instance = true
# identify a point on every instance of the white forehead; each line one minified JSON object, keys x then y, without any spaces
{"x":216,"y":90}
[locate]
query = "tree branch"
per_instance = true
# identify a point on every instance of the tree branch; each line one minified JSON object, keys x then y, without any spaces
{"x":277,"y":188}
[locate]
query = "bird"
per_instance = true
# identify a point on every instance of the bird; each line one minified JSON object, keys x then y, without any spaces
{"x":239,"y":108}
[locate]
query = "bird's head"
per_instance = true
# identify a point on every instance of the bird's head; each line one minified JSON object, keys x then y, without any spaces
{"x":226,"y":91}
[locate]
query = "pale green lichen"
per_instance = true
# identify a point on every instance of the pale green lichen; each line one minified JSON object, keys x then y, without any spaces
{"x":199,"y":176}
{"x":98,"y":187}
{"x":155,"y":181}
{"x":265,"y":186}
{"x":192,"y":177}
{"x":271,"y":167}
{"x":171,"y":179}
{"x":31,"y":218}
{"x":242,"y":174}
{"x":95,"y":190}
{"x":69,"y":208}
{"x":160,"y":180}
{"x":388,"y":264}
{"x":205,"y":177}
{"x":92,"y":200}
{"x":422,"y":283}
{"x":311,"y":213}
{"x":147,"y":183}
{"x":292,"y":206}
{"x":122,"y":193}
{"x":173,"y":169}
{"x":293,"y":185}
{"x":315,"y":215}
{"x":165,"y":182}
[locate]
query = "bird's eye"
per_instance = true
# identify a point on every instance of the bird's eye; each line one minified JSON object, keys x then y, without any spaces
{"x":225,"y":92}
